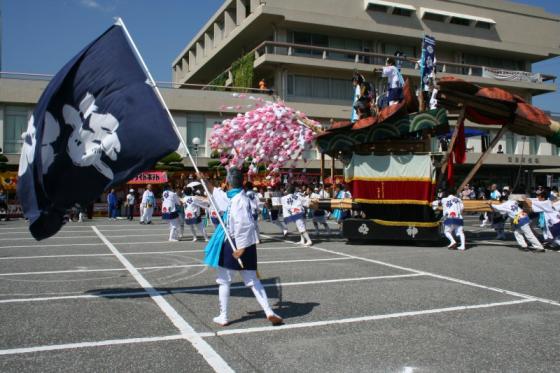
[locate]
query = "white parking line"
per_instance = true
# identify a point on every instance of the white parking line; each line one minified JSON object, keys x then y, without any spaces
{"x":186,"y":330}
{"x":121,"y":294}
{"x":435,"y":275}
{"x":199,"y":251}
{"x":361,"y":319}
{"x":51,"y":245}
{"x":161,"y":267}
{"x":71,"y":346}
{"x":113,"y":342}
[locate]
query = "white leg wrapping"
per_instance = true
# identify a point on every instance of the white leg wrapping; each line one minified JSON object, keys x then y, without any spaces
{"x":461,"y":235}
{"x":251,"y":280}
{"x":450,"y":237}
{"x":223,"y":292}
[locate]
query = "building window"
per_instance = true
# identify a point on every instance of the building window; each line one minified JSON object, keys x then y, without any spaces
{"x":460,"y":21}
{"x":484,"y":25}
{"x":510,"y":143}
{"x":196,"y":127}
{"x":306,"y":38}
{"x":15,"y":123}
{"x":533,"y":145}
{"x":319,"y":87}
{"x":434,"y":17}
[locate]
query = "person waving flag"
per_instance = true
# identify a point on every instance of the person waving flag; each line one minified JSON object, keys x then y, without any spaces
{"x":99,"y":122}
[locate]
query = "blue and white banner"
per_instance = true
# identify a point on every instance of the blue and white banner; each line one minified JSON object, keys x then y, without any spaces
{"x":98,"y":124}
{"x":428,"y":60}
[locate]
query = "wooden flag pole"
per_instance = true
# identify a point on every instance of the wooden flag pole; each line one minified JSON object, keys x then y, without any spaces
{"x":478,"y":164}
{"x":152,"y":82}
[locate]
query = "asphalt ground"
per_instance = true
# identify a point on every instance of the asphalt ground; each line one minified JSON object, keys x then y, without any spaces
{"x":117,"y":296}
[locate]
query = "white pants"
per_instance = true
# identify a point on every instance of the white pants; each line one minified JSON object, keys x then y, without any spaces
{"x":173,"y":229}
{"x":525,"y":232}
{"x":147,"y":214}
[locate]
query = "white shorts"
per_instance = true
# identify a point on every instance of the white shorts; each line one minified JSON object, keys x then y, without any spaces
{"x":225,"y":276}
{"x":453,"y":228}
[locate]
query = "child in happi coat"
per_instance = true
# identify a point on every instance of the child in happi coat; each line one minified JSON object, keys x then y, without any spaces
{"x":192,"y":214}
{"x":453,"y":220}
{"x":219,"y":254}
{"x":293,"y":210}
{"x":169,"y":202}
{"x":520,"y":224}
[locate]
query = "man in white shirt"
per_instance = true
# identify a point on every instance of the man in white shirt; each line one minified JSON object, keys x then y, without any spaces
{"x":395,"y":81}
{"x":148,"y":204}
{"x":551,"y":215}
{"x":520,"y":224}
{"x":130,"y":200}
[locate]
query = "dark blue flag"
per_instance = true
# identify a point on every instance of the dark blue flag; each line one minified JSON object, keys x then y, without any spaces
{"x":98,"y":124}
{"x":428,"y":60}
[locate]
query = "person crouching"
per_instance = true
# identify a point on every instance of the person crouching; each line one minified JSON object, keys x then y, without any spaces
{"x":453,"y":221}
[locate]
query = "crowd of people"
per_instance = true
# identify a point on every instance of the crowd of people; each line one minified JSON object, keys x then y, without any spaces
{"x":540,"y":208}
{"x":189,"y":205}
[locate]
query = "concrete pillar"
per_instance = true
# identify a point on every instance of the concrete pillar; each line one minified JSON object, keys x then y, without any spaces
{"x":199,"y":52}
{"x":218,"y":34}
{"x":208,"y":44}
{"x":241,"y":12}
{"x":229,"y":21}
{"x":192,"y":60}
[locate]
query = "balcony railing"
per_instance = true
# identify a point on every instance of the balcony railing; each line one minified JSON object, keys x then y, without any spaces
{"x":370,"y":58}
{"x":159,"y":84}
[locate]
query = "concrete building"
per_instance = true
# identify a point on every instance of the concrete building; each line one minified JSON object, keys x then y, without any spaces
{"x":307,"y":51}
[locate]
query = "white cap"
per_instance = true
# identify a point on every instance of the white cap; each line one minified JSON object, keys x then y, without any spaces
{"x":255,"y":189}
{"x":131,"y":191}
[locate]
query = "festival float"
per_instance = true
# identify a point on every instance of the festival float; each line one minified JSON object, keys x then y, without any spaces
{"x":389,"y":166}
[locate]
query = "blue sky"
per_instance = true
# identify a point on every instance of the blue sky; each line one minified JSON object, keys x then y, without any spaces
{"x":39,"y":36}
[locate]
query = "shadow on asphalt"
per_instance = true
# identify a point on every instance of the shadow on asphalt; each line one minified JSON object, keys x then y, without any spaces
{"x":273,"y":290}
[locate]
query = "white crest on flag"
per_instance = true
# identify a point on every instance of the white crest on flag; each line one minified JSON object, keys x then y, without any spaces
{"x":28,"y":147}
{"x":87,"y":145}
{"x":29,"y":137}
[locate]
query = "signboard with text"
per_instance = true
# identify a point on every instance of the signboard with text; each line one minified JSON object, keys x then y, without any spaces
{"x":150,"y":177}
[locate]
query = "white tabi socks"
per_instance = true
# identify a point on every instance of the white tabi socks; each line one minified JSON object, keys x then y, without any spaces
{"x":223,"y":292}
